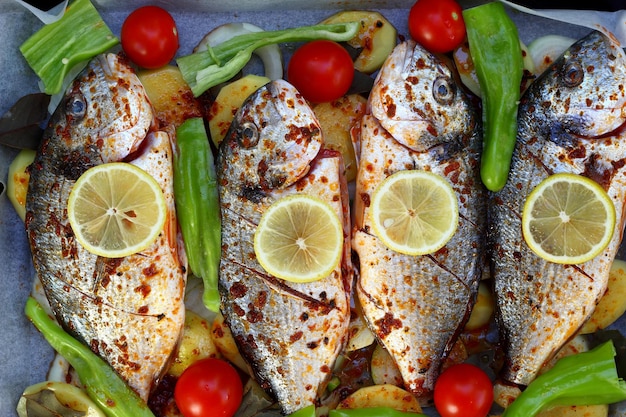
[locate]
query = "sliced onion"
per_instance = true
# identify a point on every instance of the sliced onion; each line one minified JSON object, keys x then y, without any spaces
{"x":270,"y":54}
{"x":546,"y":49}
{"x":609,"y":23}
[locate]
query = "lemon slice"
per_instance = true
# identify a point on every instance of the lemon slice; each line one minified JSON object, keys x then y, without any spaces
{"x":299,"y":238}
{"x":568,"y":219}
{"x":116,"y":209}
{"x":414,"y":212}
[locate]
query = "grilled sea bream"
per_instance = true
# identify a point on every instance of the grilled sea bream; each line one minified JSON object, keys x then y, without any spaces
{"x":416,"y":305}
{"x":128,"y":310}
{"x":289,"y":333}
{"x":571,"y":119}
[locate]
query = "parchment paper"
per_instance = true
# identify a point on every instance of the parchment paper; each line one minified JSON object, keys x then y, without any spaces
{"x":24,"y":355}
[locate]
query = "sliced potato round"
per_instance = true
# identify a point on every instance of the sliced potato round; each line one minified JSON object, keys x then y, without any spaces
{"x":17,"y":181}
{"x":228,"y":101}
{"x":382,"y":396}
{"x":383,"y":368}
{"x":337,"y":119}
{"x":613,"y":303}
{"x":360,"y":335}
{"x":225,"y":342}
{"x":170,"y":95}
{"x":483,"y":308}
{"x":196,"y":343}
{"x":376,"y":38}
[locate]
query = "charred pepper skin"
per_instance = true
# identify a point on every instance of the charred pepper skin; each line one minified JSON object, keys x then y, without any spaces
{"x":197,"y":206}
{"x":496,"y":52}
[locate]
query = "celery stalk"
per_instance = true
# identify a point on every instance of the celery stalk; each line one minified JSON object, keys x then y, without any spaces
{"x":78,"y":36}
{"x":203,"y":70}
{"x":102,"y":383}
{"x":584,"y":379}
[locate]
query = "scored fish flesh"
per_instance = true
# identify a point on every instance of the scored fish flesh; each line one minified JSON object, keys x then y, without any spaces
{"x":128,"y":310}
{"x":417,"y":305}
{"x":571,"y":119}
{"x":289,"y":333}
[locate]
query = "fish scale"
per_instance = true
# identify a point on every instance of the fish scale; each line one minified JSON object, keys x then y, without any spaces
{"x":289,"y":333}
{"x":571,"y":120}
{"x":128,"y":310}
{"x":417,"y":305}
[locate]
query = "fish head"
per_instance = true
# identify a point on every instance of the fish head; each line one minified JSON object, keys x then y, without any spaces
{"x":272,"y":140}
{"x":417,"y":99}
{"x":104,"y":115}
{"x":583,"y":94}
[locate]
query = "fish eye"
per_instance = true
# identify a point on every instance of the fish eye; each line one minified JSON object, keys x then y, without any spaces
{"x":572,"y":74}
{"x":76,"y":106}
{"x":443,"y":90}
{"x":248,"y":135}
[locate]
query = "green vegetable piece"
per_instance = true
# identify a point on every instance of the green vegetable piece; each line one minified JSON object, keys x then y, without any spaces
{"x":308,"y":411}
{"x":197,"y":206}
{"x":102,"y":383}
{"x":56,"y":48}
{"x":372,"y":412}
{"x":206,"y":69}
{"x":495,"y":49}
{"x":586,"y":378}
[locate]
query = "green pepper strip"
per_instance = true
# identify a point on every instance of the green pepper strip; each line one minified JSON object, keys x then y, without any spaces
{"x":103,"y":385}
{"x":583,"y":379}
{"x":197,"y":206}
{"x":203,"y":70}
{"x":56,"y":48}
{"x":495,"y":49}
{"x":372,"y":412}
{"x":308,"y":411}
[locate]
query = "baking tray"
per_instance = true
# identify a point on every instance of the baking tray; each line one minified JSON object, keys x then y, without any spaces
{"x":24,"y":354}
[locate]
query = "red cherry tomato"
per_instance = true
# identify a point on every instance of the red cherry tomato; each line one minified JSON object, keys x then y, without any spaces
{"x":209,"y":387}
{"x":463,"y":390}
{"x":149,"y":37}
{"x":437,"y":25}
{"x":321,"y":71}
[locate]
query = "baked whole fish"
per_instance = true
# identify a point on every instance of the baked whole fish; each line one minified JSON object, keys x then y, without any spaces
{"x":417,"y":305}
{"x":571,"y":119}
{"x":289,"y":333}
{"x":129,"y":310}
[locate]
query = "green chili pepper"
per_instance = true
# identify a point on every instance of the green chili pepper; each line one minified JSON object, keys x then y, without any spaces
{"x":372,"y":412}
{"x":308,"y":411}
{"x":102,"y":383}
{"x":583,"y":379}
{"x":197,"y":205}
{"x":495,"y":49}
